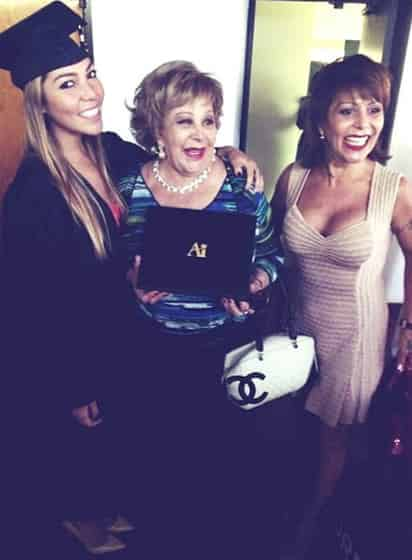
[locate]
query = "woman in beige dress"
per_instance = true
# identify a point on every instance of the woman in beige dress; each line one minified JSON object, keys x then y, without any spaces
{"x":338,"y":207}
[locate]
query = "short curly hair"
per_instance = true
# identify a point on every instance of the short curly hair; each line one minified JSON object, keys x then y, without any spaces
{"x":169,"y":86}
{"x":356,"y":72}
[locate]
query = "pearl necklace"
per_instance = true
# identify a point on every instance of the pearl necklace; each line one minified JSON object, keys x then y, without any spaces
{"x":190,"y":187}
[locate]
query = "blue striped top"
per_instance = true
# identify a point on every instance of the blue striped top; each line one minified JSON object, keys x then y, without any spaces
{"x":185,"y":313}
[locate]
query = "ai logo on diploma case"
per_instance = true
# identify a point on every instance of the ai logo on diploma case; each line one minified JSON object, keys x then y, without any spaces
{"x":198,"y":250}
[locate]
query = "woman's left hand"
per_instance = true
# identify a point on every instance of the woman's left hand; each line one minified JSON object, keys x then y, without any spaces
{"x":404,"y":359}
{"x":241,"y":161}
{"x":88,"y":415}
{"x":147,"y":297}
{"x":258,"y":281}
{"x":240,"y":309}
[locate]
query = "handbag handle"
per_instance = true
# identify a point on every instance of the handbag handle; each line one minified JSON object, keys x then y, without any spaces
{"x":291,"y":309}
{"x":241,"y":200}
{"x":290,"y":318}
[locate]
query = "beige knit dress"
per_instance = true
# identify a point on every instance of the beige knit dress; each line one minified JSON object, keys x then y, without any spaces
{"x":343,"y":301}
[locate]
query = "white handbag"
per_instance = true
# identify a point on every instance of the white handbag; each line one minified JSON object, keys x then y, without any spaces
{"x":257,"y":373}
{"x":270,"y":366}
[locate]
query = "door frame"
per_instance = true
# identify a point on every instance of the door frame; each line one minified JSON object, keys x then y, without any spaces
{"x":85,"y":5}
{"x":394,"y":52}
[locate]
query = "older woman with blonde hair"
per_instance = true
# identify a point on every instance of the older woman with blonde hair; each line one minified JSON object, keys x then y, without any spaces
{"x":176,"y":113}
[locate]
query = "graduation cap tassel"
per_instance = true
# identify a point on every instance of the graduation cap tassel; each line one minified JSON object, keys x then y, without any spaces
{"x":83,"y":25}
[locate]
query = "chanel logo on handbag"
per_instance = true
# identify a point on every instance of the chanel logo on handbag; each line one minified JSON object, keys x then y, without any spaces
{"x":198,"y":250}
{"x":247,"y":388}
{"x":253,"y":377}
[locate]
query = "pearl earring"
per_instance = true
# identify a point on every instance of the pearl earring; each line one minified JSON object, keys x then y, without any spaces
{"x":321,"y":134}
{"x":161,"y":151}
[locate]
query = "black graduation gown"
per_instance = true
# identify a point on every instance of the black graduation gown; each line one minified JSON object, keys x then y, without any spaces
{"x":67,"y":318}
{"x":64,"y":310}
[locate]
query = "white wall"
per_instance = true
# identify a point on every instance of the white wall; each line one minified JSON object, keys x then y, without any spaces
{"x":132,"y":37}
{"x":277,"y":85}
{"x":401,"y":149}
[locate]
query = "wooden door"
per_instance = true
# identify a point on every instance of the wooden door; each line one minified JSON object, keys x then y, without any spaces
{"x":11,"y":98}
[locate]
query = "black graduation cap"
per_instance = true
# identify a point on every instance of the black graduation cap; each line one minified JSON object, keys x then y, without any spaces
{"x":40,"y":43}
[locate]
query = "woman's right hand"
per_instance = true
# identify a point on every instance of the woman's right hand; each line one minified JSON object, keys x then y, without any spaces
{"x":88,"y":415}
{"x":151,"y":296}
{"x":145,"y":296}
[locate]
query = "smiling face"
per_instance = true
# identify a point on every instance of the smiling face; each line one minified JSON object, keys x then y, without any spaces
{"x":73,"y":96}
{"x":353,"y":126}
{"x":188,"y":135}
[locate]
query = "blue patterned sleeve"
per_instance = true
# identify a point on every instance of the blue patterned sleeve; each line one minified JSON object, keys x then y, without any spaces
{"x":268,"y":251}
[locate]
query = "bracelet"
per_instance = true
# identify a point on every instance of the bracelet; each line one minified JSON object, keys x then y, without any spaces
{"x":405,"y":324}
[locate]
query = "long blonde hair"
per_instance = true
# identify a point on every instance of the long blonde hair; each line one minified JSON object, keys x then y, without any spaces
{"x":81,"y":200}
